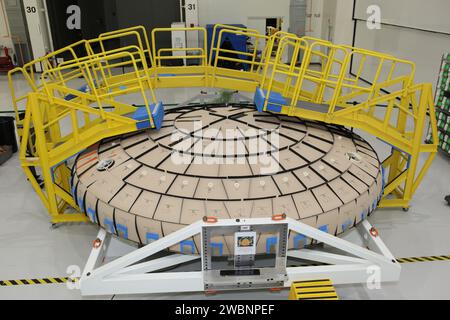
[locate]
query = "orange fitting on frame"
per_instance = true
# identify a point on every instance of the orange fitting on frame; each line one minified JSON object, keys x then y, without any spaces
{"x":279,"y":217}
{"x":374,"y":232}
{"x":210,"y":219}
{"x":97,"y":243}
{"x":210,"y":292}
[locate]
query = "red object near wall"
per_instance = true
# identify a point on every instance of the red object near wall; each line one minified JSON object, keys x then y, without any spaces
{"x":6,"y":63}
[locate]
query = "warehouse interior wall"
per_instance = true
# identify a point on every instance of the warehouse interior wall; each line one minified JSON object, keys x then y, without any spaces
{"x":96,"y":17}
{"x":329,"y":20}
{"x":105,"y":15}
{"x":150,"y":14}
{"x":343,"y":31}
{"x":5,"y":34}
{"x":251,"y":13}
{"x":238,"y":11}
{"x":410,"y":30}
{"x":403,"y":23}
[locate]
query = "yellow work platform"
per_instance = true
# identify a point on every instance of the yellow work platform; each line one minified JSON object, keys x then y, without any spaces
{"x":333,"y":93}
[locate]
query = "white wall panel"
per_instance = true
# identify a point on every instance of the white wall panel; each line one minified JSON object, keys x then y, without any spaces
{"x":429,"y":15}
{"x":423,"y":48}
{"x":5,"y":36}
{"x":399,"y":34}
{"x":238,"y":11}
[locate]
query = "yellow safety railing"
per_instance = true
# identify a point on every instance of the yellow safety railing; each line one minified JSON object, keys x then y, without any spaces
{"x":250,"y":66}
{"x":275,"y":69}
{"x":137,"y":33}
{"x":215,"y":45}
{"x":333,"y":74}
{"x":54,"y":148}
{"x":250,"y":56}
{"x":312,"y":75}
{"x":27,"y":72}
{"x":117,"y":34}
{"x":160,"y":57}
{"x":203,"y":49}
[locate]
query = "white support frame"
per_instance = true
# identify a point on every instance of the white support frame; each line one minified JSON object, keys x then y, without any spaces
{"x":126,"y":276}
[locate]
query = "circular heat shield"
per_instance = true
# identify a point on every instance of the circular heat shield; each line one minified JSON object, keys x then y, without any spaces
{"x":228,"y":162}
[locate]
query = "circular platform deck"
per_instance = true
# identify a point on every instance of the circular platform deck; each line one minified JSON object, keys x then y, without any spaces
{"x":227,"y":162}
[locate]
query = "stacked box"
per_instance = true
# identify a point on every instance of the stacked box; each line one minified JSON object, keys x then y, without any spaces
{"x":442,"y":102}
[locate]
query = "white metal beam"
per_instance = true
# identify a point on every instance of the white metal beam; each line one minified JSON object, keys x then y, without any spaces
{"x":324,"y":257}
{"x":340,"y":244}
{"x":158,"y":264}
{"x":149,"y":250}
{"x":144,"y":283}
{"x":127,"y":275}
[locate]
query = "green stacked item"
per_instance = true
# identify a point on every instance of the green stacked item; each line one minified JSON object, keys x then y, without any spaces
{"x":444,"y":141}
{"x":442,"y":99}
{"x":442,"y":102}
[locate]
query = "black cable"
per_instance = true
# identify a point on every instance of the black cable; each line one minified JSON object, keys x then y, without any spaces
{"x":355,"y":103}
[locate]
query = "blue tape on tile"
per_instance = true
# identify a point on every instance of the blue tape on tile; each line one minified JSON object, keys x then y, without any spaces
{"x":122,"y":231}
{"x":109,"y":224}
{"x":81,"y":203}
{"x":299,"y":239}
{"x":73,"y":191}
{"x":346,"y":225}
{"x":363,"y":216}
{"x":92,"y":215}
{"x":218,"y":246}
{"x":383,"y":184}
{"x":270,"y":242}
{"x":187,"y":243}
{"x":324,"y":228}
{"x":151,"y":237}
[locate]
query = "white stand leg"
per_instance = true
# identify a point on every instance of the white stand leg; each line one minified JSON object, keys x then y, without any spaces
{"x":360,"y":267}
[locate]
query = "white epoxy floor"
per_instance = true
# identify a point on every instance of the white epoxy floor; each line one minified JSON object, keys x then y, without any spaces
{"x":29,"y":248}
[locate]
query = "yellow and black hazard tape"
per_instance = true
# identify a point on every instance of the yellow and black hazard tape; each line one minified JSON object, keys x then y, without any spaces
{"x":423,"y":259}
{"x":47,"y":281}
{"x":29,"y":282}
{"x":313,"y":290}
{"x":399,"y":260}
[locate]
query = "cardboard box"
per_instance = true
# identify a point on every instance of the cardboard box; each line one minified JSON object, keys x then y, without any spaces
{"x":296,"y":242}
{"x":126,"y":225}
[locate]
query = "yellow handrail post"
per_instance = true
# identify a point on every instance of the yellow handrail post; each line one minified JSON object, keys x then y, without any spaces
{"x":41,"y":146}
{"x":301,"y":76}
{"x":339,"y":85}
{"x":416,"y":143}
{"x":55,"y":98}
